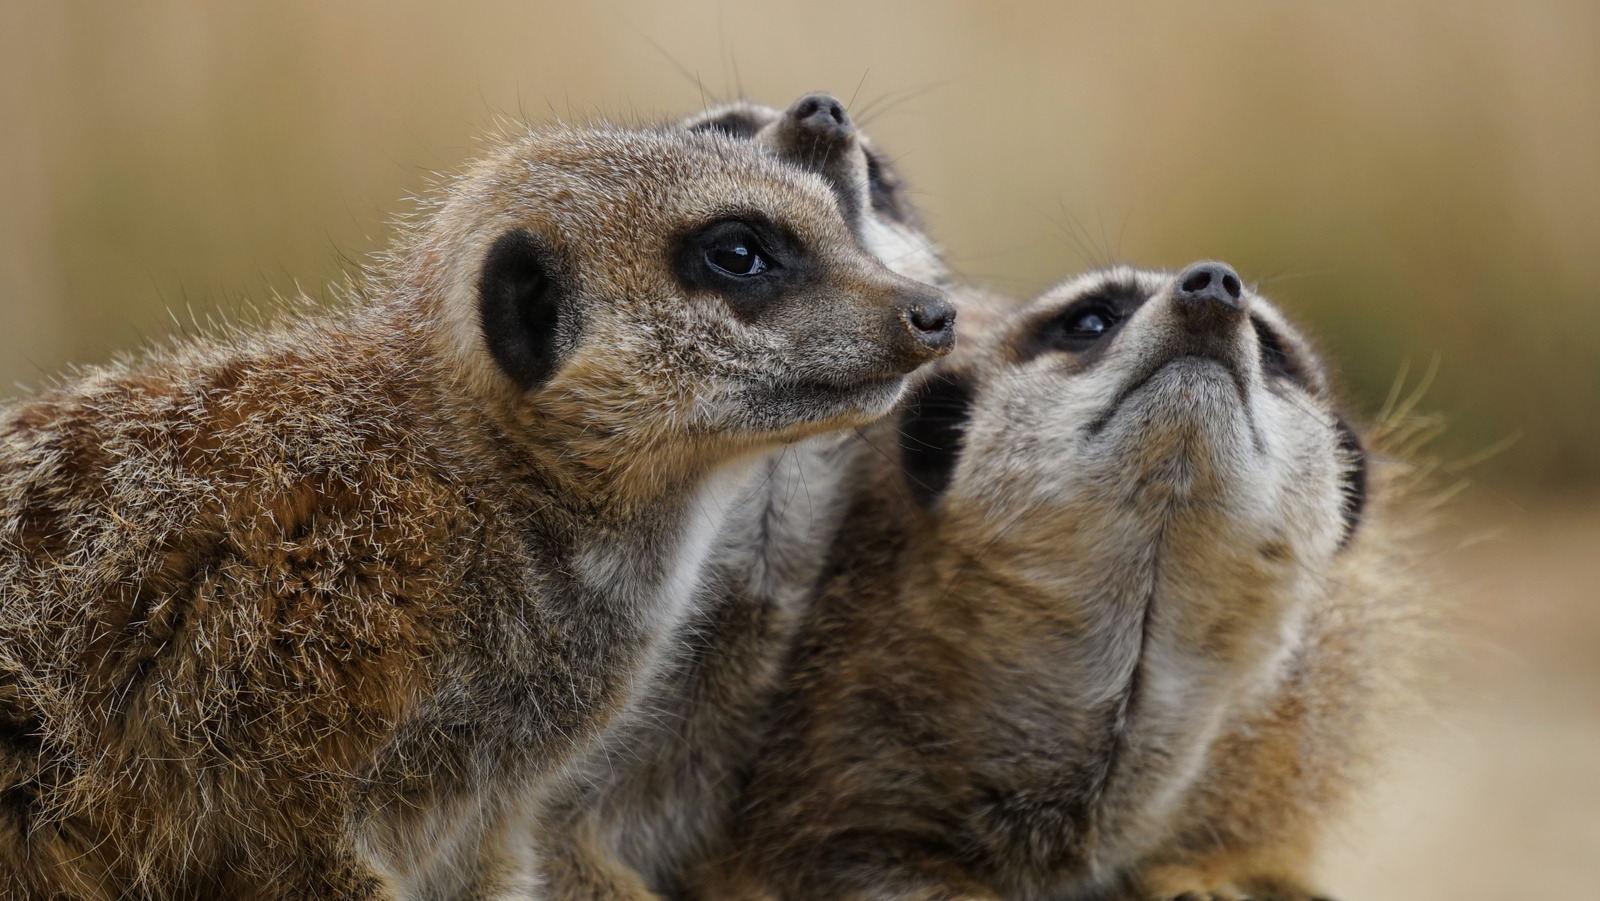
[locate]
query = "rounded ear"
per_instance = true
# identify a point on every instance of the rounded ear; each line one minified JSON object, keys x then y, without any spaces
{"x":520,"y":307}
{"x":739,"y":120}
{"x":933,"y":430}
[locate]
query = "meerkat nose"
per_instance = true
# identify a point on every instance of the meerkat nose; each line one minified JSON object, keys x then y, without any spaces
{"x":821,"y":116}
{"x":1210,"y":296}
{"x":932,"y":322}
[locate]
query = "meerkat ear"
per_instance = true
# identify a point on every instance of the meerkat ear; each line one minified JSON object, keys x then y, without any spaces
{"x":740,"y":120}
{"x":932,"y":432}
{"x":520,"y":307}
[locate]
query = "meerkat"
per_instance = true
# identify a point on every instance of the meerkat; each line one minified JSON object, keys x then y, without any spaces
{"x":313,"y":610}
{"x":656,"y":796}
{"x":1113,"y":615}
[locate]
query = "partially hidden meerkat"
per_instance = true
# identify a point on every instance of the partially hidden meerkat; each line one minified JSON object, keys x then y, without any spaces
{"x":658,"y":795}
{"x":1113,"y":616}
{"x":308,"y":611}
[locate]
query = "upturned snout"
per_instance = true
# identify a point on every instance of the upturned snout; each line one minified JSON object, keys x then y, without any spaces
{"x":816,"y":121}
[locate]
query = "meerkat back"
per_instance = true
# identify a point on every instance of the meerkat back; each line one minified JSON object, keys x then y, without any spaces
{"x":657,"y":797}
{"x":312,"y":611}
{"x":1111,"y":619}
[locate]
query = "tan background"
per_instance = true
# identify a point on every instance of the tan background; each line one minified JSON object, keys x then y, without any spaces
{"x":1414,"y":181}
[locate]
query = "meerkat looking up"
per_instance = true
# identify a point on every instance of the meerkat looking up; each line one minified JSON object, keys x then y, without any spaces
{"x":1109,"y":619}
{"x":657,"y":795}
{"x":306,"y":611}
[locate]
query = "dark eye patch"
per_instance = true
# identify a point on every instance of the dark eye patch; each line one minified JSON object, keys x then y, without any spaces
{"x":746,"y":260}
{"x":1084,"y":324}
{"x":932,"y":432}
{"x":1081,"y":327}
{"x":1352,"y":481}
{"x":1276,"y":358}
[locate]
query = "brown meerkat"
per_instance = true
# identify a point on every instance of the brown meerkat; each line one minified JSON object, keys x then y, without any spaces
{"x":1112,"y":616}
{"x":655,"y":797}
{"x":308,"y":611}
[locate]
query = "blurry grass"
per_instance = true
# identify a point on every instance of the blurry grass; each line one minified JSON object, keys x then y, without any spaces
{"x":1409,"y":180}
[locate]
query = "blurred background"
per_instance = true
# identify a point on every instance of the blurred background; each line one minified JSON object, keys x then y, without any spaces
{"x":1418,"y":183}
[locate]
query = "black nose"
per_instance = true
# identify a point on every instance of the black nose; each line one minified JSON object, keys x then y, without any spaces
{"x":1210,"y":294}
{"x":932,"y":322}
{"x":821,"y":116}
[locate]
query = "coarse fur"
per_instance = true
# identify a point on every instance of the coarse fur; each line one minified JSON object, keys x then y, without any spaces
{"x":315,"y":610}
{"x":1115,"y":616}
{"x":657,"y":796}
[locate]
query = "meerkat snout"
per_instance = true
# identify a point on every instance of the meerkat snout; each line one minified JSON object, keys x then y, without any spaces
{"x":822,"y":116}
{"x":931,"y":321}
{"x":1209,"y":293}
{"x":816,"y":132}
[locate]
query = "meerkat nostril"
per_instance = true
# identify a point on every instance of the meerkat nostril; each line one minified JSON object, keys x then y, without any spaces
{"x":821,"y":115}
{"x":934,"y":320}
{"x":1211,"y":290}
{"x":931,"y":324}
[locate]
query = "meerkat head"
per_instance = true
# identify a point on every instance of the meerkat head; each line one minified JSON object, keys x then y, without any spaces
{"x":1183,"y":401}
{"x":816,"y":133}
{"x":1152,"y":466}
{"x":1127,"y":412}
{"x":1132,"y":406}
{"x":638,"y":288}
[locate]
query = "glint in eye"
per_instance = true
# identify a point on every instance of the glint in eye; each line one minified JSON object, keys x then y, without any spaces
{"x":1089,"y":324}
{"x":738,"y":257}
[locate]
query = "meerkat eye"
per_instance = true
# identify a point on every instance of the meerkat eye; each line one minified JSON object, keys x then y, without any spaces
{"x":1089,"y":324}
{"x":749,"y":262}
{"x":1083,"y":326}
{"x":737,"y":255}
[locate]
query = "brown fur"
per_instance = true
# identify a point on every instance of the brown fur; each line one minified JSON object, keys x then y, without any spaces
{"x":1117,"y":649}
{"x":657,"y":796}
{"x":312,"y":611}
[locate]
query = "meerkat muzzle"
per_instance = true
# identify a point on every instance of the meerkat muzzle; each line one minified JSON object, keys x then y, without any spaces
{"x":1210,"y":297}
{"x":1211,"y":317}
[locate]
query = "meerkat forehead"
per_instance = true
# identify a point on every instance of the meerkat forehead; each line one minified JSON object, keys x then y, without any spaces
{"x":636,"y":188}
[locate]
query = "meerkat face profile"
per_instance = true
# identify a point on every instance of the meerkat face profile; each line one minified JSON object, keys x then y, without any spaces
{"x":816,"y":133}
{"x":681,"y":276}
